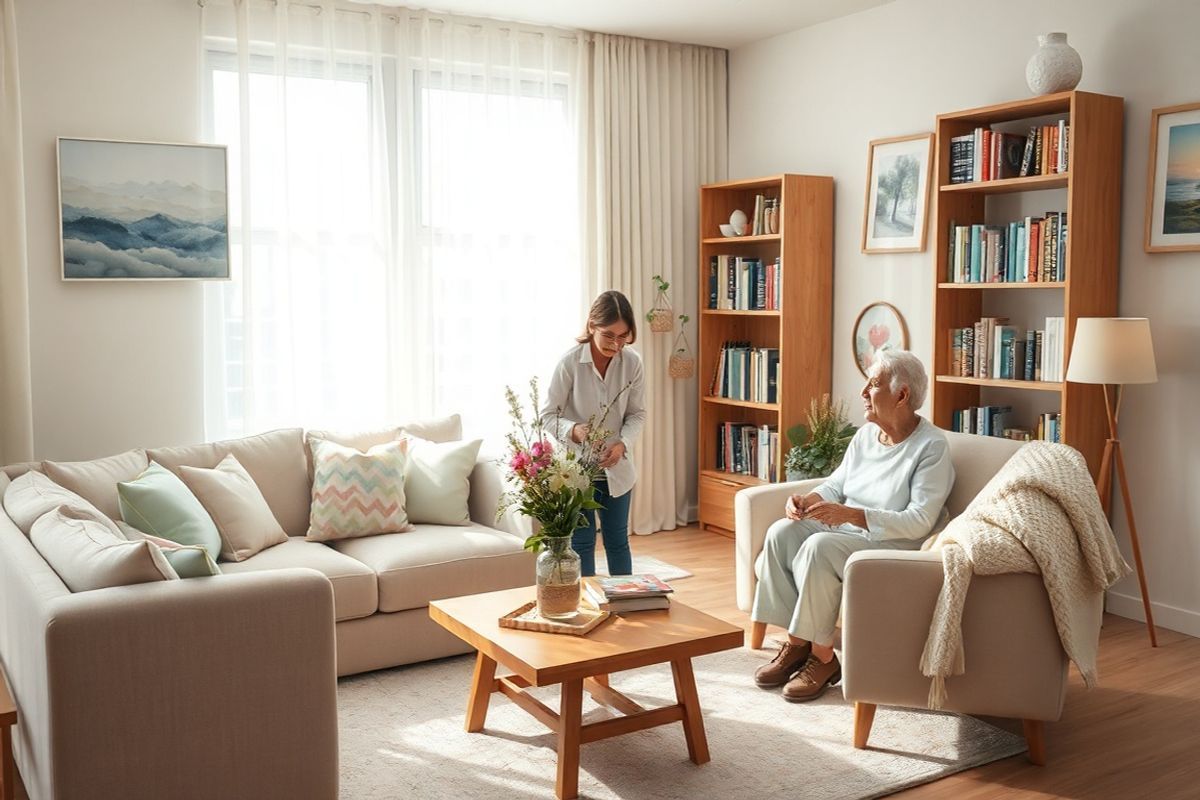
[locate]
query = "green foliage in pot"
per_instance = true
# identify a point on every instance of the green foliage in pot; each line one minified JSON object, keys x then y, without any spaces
{"x":818,"y":447}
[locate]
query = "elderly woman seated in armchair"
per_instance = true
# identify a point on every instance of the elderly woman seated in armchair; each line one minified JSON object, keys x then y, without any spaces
{"x":888,"y":493}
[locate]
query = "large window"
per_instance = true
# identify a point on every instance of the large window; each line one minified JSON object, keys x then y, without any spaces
{"x":409,"y":240}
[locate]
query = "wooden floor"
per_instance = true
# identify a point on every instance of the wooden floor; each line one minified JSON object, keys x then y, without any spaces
{"x":1132,"y":736}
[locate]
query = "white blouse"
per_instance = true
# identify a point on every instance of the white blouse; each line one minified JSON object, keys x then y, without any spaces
{"x":578,"y":393}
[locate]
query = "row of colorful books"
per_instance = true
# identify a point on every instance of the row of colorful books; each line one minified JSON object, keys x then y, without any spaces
{"x":746,"y":373}
{"x":993,"y":349}
{"x":995,"y":421}
{"x":747,"y":449}
{"x":744,"y":284}
{"x":1030,"y":250}
{"x":987,"y":155}
{"x":621,"y":593}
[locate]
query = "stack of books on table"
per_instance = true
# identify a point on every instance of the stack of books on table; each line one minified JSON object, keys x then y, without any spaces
{"x":627,"y":593}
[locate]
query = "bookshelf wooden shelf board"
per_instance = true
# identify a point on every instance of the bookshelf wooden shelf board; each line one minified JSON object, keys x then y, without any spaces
{"x":724,"y":240}
{"x":726,"y":401}
{"x":1037,"y":386}
{"x":800,"y":329}
{"x":1092,"y":181}
{"x":1008,"y":185}
{"x":743,"y":480}
{"x":1006,"y":285}
{"x":721,"y":312}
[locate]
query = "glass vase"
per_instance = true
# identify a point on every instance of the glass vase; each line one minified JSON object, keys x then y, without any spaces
{"x":558,"y":571}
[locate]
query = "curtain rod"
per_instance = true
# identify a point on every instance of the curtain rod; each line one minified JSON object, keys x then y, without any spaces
{"x":396,"y":18}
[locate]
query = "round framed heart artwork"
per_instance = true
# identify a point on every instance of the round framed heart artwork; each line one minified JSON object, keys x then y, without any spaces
{"x":879,"y":327}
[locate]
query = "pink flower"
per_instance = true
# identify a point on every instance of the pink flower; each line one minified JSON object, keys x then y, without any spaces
{"x":878,"y":335}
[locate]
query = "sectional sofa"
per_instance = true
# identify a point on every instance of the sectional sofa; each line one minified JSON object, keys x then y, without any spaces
{"x":226,"y":686}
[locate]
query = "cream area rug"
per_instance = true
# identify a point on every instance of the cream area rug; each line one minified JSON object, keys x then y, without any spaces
{"x":402,"y":736}
{"x":643,"y":565}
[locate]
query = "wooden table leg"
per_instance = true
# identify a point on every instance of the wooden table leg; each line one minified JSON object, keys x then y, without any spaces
{"x":693,"y":722}
{"x":601,"y":679}
{"x":570,"y":721}
{"x":8,"y":789}
{"x":482,"y":684}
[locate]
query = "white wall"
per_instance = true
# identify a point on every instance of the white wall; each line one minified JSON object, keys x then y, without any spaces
{"x":114,"y":364}
{"x":811,"y":100}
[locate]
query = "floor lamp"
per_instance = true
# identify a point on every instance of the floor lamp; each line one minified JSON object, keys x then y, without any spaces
{"x":1114,"y":351}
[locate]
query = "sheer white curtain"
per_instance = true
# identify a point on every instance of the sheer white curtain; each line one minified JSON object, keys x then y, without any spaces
{"x":403,"y":214}
{"x":654,"y":130}
{"x":16,"y":404}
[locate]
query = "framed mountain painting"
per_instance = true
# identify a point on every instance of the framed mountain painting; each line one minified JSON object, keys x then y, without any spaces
{"x":143,"y":210}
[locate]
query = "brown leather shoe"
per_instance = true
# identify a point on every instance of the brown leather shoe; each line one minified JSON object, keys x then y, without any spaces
{"x":786,"y":663}
{"x":813,"y":680}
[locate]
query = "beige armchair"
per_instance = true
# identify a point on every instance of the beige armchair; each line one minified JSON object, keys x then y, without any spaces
{"x":1015,"y":663}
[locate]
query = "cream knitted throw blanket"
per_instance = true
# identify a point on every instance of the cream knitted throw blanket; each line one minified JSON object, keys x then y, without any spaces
{"x":1039,"y":513}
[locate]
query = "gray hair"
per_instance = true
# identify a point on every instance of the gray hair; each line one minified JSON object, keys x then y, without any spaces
{"x":902,"y":369}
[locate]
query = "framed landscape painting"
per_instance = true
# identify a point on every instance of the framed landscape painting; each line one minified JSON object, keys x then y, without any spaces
{"x":142,"y":210}
{"x":1173,"y":187}
{"x":897,"y":202}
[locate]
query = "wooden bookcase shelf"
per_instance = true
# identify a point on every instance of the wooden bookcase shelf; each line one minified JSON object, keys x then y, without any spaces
{"x":801,"y":328}
{"x":1093,"y":194}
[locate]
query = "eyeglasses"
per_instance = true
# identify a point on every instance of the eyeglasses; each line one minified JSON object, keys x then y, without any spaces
{"x":612,"y":338}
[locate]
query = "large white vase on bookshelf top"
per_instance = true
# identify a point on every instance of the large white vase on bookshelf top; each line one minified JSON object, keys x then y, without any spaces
{"x":1055,"y":67}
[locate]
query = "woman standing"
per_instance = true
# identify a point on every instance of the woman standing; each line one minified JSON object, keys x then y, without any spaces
{"x":599,"y":373}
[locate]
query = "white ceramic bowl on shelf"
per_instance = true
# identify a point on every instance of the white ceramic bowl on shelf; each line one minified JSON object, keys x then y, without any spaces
{"x":727,"y":229}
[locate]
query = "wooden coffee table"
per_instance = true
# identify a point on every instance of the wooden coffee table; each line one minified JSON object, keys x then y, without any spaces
{"x":582,"y":663}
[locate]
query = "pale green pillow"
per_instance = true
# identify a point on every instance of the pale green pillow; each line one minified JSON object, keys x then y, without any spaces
{"x":188,"y":560}
{"x":437,"y":482}
{"x":159,"y":503}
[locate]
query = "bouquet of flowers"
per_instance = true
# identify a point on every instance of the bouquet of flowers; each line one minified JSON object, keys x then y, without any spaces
{"x":552,"y":485}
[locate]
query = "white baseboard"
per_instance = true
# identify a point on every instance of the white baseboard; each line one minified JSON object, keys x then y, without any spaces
{"x":1176,"y":619}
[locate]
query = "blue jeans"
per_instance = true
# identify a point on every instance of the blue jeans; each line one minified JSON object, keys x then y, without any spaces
{"x":614,"y":523}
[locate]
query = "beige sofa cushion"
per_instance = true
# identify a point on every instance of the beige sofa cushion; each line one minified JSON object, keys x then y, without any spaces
{"x":976,"y":460}
{"x":275,"y":460}
{"x":434,"y":429}
{"x":33,"y":495}
{"x":233,"y":500}
{"x":431,"y":562}
{"x":96,"y":481}
{"x":355,"y":587}
{"x":87,"y":555}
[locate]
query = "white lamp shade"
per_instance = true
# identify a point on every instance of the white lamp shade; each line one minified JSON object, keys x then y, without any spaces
{"x":1112,"y":350}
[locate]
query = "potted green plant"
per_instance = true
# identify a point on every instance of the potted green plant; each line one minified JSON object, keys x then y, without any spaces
{"x":661,"y":317}
{"x":818,"y":447}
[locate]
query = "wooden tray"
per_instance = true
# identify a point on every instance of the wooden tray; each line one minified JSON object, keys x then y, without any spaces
{"x":526,"y":618}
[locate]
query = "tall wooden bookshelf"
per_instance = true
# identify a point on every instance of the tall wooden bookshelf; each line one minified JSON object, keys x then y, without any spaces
{"x":800,"y":328}
{"x":1089,"y":191}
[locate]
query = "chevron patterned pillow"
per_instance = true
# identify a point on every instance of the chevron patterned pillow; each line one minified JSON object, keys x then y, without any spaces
{"x":357,"y":494}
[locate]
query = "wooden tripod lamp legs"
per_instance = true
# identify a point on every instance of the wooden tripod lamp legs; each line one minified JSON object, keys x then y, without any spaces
{"x":1133,"y":541}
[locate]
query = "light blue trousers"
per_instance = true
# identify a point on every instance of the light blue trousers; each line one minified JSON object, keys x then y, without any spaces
{"x":800,"y":576}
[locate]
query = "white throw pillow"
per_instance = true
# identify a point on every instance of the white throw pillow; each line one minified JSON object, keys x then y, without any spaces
{"x":438,"y":481}
{"x":357,"y":494}
{"x":33,"y":495}
{"x":233,"y":500}
{"x":87,"y":555}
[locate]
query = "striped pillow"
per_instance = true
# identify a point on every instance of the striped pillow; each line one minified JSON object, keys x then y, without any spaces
{"x":357,"y":494}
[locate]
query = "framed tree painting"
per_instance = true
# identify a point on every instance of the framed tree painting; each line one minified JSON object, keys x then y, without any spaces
{"x":142,"y":210}
{"x":897,"y":203}
{"x":1173,"y":186}
{"x":879,"y":327}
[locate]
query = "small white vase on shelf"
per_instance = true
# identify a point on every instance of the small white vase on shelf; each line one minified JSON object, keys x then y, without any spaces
{"x":1055,"y":67}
